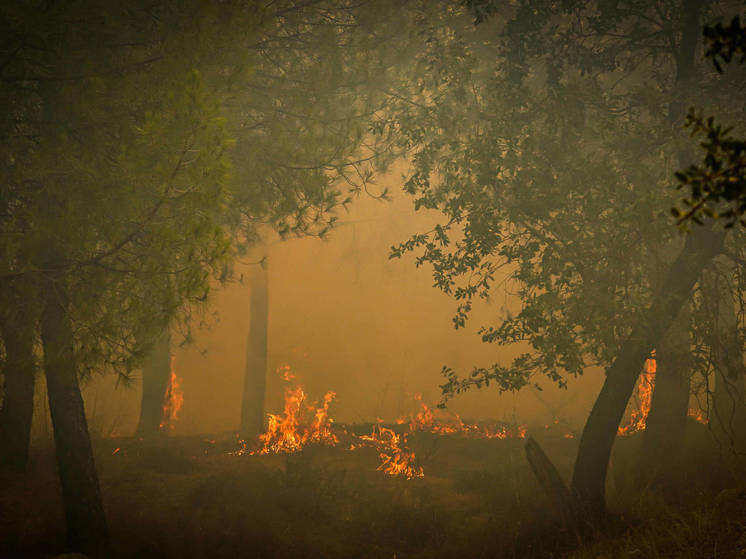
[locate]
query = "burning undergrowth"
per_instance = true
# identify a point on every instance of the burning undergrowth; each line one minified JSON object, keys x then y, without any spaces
{"x":643,"y":399}
{"x":303,"y":423}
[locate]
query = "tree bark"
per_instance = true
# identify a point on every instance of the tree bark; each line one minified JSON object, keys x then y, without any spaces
{"x":86,"y":523}
{"x":728,"y":407}
{"x":18,"y":400}
{"x":551,"y":480}
{"x":591,"y":465}
{"x":255,"y":379}
{"x":156,"y":374}
{"x":666,"y":423}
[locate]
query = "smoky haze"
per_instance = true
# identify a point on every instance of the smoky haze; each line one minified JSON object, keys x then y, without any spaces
{"x":346,"y":318}
{"x":246,"y":248}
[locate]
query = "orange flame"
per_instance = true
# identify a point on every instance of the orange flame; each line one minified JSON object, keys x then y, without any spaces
{"x":638,"y":417}
{"x":698,"y":415}
{"x":173,"y":399}
{"x":443,"y":423}
{"x":293,"y":430}
{"x":396,"y":458}
{"x":290,"y":432}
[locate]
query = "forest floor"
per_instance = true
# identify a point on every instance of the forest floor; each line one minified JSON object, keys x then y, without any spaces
{"x":189,"y":497}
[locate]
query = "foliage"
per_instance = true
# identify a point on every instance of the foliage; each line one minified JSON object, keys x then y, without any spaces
{"x":716,"y":187}
{"x":143,"y":140}
{"x":116,"y":161}
{"x":544,"y":137}
{"x":320,"y":75}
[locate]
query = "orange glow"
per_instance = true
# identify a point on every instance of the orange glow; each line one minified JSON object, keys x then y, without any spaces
{"x":301,"y":424}
{"x":646,"y":384}
{"x":292,"y":430}
{"x":396,"y":458}
{"x":638,"y":417}
{"x":698,"y":415}
{"x":442,"y":422}
{"x":173,"y":399}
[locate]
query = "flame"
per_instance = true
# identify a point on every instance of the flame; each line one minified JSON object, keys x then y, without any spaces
{"x":172,"y":400}
{"x":291,"y":431}
{"x":638,"y":417}
{"x":295,"y":428}
{"x":284,"y":372}
{"x":396,"y":458}
{"x":443,"y":423}
{"x":646,"y":385}
{"x":698,"y":415}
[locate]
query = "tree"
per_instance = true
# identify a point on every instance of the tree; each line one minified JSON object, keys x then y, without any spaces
{"x":19,"y":369}
{"x":252,"y":405}
{"x":322,"y":75}
{"x":545,"y":135}
{"x":115,"y":178}
{"x":717,"y":186}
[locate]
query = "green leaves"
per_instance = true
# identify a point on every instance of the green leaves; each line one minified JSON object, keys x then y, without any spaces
{"x":544,"y":138}
{"x":716,"y":187}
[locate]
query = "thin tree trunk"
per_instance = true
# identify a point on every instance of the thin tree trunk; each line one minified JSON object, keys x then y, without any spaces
{"x":255,"y":379}
{"x":18,"y":401}
{"x":84,"y":511}
{"x":728,"y":406}
{"x":591,"y":465}
{"x":156,"y":373}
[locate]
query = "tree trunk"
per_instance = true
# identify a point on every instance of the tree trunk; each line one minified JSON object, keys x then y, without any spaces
{"x":255,"y":379}
{"x":18,"y":401}
{"x":666,"y":422}
{"x":84,"y":511}
{"x":591,"y":465}
{"x":156,"y":374}
{"x":728,"y":407}
{"x":551,"y":480}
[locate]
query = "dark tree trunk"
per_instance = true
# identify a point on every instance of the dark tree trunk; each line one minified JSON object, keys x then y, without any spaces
{"x":591,"y":465}
{"x":18,"y":400}
{"x":552,"y":483}
{"x":728,"y":407}
{"x":156,"y":374}
{"x":84,"y":511}
{"x":666,"y":423}
{"x":255,"y":379}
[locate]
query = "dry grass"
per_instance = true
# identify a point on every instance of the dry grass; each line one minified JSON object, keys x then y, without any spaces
{"x":189,"y":498}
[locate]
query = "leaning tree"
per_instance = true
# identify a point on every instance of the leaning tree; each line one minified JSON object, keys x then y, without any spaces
{"x":547,"y":134}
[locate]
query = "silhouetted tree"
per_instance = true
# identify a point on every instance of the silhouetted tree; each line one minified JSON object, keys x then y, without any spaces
{"x":115,"y":175}
{"x":546,"y":135}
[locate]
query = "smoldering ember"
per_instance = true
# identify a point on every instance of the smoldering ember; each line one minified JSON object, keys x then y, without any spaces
{"x":419,"y":279}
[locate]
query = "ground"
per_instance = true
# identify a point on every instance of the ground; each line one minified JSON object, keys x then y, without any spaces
{"x":190,"y":497}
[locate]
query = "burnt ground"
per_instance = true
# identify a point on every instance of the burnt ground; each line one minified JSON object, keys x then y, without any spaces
{"x":189,"y":497}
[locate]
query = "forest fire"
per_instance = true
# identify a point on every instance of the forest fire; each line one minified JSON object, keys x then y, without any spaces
{"x":291,"y":431}
{"x":173,"y":399}
{"x":698,"y":415}
{"x":302,"y":424}
{"x":638,"y":417}
{"x":444,"y":423}
{"x":646,"y":384}
{"x":396,"y":458}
